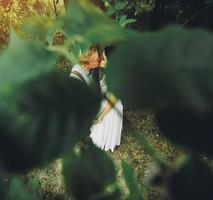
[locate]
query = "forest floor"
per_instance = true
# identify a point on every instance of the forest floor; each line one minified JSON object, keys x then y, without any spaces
{"x":49,"y":178}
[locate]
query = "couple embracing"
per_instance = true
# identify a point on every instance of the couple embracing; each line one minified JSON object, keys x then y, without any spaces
{"x":107,"y":126}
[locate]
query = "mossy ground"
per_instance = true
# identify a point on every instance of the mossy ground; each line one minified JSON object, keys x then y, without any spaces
{"x":50,"y":180}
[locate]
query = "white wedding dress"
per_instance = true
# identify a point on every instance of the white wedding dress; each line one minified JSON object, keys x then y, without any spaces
{"x":106,"y":134}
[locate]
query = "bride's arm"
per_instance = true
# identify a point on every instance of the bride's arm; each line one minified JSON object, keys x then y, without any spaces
{"x":111,"y":100}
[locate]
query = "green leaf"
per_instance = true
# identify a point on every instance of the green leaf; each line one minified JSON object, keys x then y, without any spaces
{"x":49,"y":117}
{"x":40,"y":27}
{"x":188,"y":128}
{"x":130,"y":179}
{"x":121,"y":5}
{"x":111,"y":11}
{"x":171,"y":72}
{"x":42,"y":112}
{"x":17,"y":191}
{"x":123,"y":21}
{"x":86,"y":23}
{"x":88,"y":175}
{"x":192,"y":180}
{"x":170,"y":68}
{"x":20,"y":62}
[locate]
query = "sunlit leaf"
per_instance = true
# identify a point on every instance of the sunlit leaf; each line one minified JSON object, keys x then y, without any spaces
{"x":22,"y":61}
{"x":124,"y":21}
{"x":86,"y":23}
{"x":40,"y":27}
{"x":121,"y":5}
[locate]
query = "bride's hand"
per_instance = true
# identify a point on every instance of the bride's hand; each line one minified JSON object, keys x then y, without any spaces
{"x":97,"y":121}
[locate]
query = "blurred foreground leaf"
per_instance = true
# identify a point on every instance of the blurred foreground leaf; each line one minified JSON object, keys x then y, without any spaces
{"x":188,"y":128}
{"x":17,"y":191}
{"x":87,"y":23}
{"x":88,"y":175}
{"x":40,"y":27}
{"x":22,"y":61}
{"x":51,"y":116}
{"x":193,"y":180}
{"x":42,"y":113}
{"x":170,"y":72}
{"x":170,"y":68}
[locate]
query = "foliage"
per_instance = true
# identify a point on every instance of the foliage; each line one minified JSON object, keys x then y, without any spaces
{"x":15,"y":12}
{"x":169,"y":61}
{"x":193,"y":175}
{"x":88,"y":28}
{"x":181,"y":81}
{"x":127,"y":12}
{"x":17,"y":190}
{"x":45,"y":114}
{"x":14,"y":189}
{"x":35,"y":90}
{"x":95,"y":177}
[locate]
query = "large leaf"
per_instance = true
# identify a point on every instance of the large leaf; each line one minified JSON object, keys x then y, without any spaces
{"x":170,"y":68}
{"x":42,"y":112}
{"x":85,"y":23}
{"x":188,"y":128}
{"x":192,"y":180}
{"x":22,"y":61}
{"x":88,"y":175}
{"x":171,"y":72}
{"x":51,"y":114}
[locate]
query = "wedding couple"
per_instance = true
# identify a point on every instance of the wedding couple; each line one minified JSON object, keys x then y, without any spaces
{"x":106,"y":129}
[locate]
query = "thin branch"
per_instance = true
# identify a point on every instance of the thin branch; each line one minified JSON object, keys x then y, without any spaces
{"x":196,"y":14}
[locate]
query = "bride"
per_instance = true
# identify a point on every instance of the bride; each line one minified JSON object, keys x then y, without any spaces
{"x":107,"y":127}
